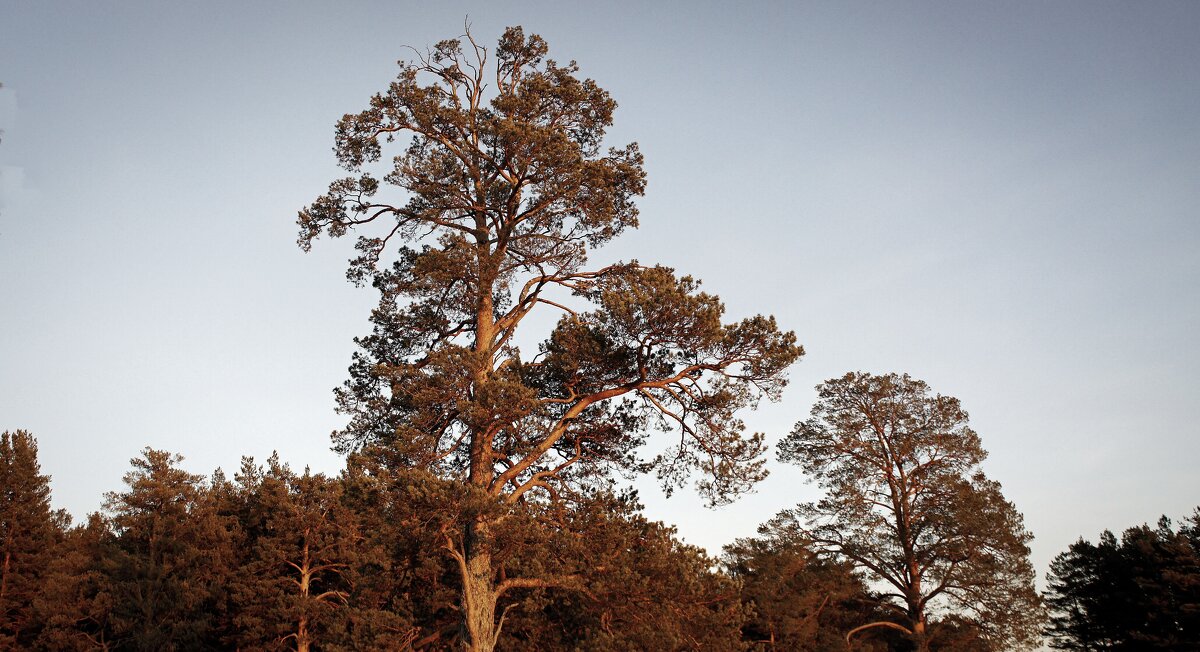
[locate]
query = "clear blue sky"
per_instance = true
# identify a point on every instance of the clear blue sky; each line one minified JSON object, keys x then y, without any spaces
{"x":998,"y":198}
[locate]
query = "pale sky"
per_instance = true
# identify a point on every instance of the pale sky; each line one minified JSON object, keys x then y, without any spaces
{"x":998,"y":198}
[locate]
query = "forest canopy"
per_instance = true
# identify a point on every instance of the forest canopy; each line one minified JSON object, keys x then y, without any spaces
{"x":275,"y":559}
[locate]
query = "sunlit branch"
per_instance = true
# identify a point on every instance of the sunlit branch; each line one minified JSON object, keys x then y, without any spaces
{"x":881,"y":623}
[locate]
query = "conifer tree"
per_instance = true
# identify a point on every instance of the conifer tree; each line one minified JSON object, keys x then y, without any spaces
{"x":907,"y":503}
{"x":171,"y":561}
{"x":29,"y":532}
{"x":294,"y":591}
{"x":501,"y":189}
{"x":76,"y":601}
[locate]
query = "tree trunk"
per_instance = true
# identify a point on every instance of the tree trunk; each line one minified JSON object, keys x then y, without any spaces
{"x":916,"y":608}
{"x":479,"y":593}
{"x":920,"y":637}
{"x":479,"y":580}
{"x":4,"y":574}
{"x":302,"y":638}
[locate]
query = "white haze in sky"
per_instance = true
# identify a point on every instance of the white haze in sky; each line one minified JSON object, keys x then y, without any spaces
{"x":1000,"y":199}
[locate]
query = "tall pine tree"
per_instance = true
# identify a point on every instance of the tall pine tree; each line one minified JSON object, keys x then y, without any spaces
{"x":29,"y":532}
{"x":488,"y":211}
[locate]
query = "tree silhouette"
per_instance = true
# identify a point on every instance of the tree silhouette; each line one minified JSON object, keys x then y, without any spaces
{"x":1141,"y":592}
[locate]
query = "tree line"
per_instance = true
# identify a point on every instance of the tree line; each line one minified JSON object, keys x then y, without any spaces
{"x":912,"y":548}
{"x":480,"y":506}
{"x":272,"y":559}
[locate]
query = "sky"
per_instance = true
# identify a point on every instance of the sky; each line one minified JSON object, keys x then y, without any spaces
{"x":1001,"y":199}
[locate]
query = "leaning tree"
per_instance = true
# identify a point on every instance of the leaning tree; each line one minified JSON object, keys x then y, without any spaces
{"x":483,"y":216}
{"x":907,"y":503}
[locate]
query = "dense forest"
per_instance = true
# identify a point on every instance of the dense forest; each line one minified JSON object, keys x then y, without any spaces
{"x":273,"y":559}
{"x":482,"y":505}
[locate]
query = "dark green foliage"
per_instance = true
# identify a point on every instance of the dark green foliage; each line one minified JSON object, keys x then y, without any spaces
{"x":29,"y":532}
{"x":77,"y":600}
{"x":799,"y":600}
{"x":907,"y":503}
{"x":956,"y":633}
{"x":594,"y":576}
{"x":1141,"y":592}
{"x":624,"y":583}
{"x":405,"y":584}
{"x":292,"y":591}
{"x":187,"y":564}
{"x":172,"y":560}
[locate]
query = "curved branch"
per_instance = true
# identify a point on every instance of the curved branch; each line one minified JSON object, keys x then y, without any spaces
{"x":881,"y":623}
{"x":570,"y":582}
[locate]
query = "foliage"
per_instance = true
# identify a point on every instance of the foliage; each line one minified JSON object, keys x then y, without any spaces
{"x":620,"y":582}
{"x":29,"y":530}
{"x":799,"y":600}
{"x":500,"y":191}
{"x":76,"y":603}
{"x":1141,"y":592}
{"x":172,"y":559}
{"x":184,"y":562}
{"x":907,"y":502}
{"x":638,"y":587}
{"x":292,"y":590}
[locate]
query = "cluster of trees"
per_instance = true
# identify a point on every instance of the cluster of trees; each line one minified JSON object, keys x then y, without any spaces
{"x":477,"y":509}
{"x":1139,"y":592}
{"x":277,"y":560}
{"x":487,"y":215}
{"x":273,"y":559}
